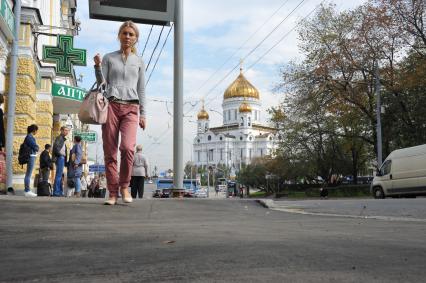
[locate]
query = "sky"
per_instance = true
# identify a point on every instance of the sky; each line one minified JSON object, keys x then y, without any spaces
{"x":217,"y":36}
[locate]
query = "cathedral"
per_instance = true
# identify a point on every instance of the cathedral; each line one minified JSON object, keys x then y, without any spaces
{"x":242,"y":137}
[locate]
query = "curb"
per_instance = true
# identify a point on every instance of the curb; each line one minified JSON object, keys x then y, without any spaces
{"x":266,"y":203}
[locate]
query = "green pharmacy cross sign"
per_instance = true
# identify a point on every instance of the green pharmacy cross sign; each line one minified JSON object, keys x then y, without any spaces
{"x":64,"y":55}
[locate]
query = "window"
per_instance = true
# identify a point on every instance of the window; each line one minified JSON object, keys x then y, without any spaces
{"x":249,"y":121}
{"x":261,"y":152}
{"x":211,"y":155}
{"x":221,"y":154}
{"x":198,"y":155}
{"x":229,"y":114}
{"x":242,"y":121}
{"x":235,"y":114}
{"x":386,"y":168}
{"x":221,"y":138}
{"x":198,"y":140}
{"x":199,"y":127}
{"x":241,"y":154}
{"x":224,"y":115}
{"x":250,"y":151}
{"x":241,"y":138}
{"x":255,"y":115}
{"x":209,"y":138}
{"x":207,"y":127}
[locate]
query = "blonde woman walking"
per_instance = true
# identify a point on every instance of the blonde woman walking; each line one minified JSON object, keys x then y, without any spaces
{"x":123,"y":72}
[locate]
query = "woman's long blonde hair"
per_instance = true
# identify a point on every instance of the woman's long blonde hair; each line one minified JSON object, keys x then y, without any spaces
{"x":132,"y":25}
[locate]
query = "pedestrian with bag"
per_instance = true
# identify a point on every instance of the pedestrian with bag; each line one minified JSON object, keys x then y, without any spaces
{"x":75,"y":165}
{"x":46,"y":163}
{"x":60,"y":155}
{"x":94,"y":187}
{"x":139,"y":173}
{"x":123,"y":73}
{"x":30,"y":143}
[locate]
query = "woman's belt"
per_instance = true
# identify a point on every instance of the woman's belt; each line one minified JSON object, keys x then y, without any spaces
{"x":117,"y":100}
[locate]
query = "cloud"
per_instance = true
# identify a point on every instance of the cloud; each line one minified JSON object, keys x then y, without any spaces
{"x":214,"y":30}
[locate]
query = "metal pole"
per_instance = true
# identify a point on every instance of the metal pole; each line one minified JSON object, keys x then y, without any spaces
{"x":11,"y":98}
{"x":208,"y":181}
{"x":178,"y":98}
{"x":379,"y":121}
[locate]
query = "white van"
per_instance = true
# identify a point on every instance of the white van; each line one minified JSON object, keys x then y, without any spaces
{"x":403,"y":173}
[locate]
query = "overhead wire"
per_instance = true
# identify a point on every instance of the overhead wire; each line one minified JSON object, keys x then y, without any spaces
{"x":240,"y":47}
{"x":282,"y":38}
{"x":159,"y":54}
{"x":147,"y":40}
{"x":155,"y":49}
{"x":250,"y":53}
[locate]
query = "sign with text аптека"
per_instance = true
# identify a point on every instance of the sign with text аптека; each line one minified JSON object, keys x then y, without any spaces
{"x":69,"y":92}
{"x":154,"y":12}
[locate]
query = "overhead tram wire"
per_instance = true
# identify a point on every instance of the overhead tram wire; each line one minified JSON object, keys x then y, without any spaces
{"x":253,"y":50}
{"x":251,"y":36}
{"x":241,"y":46}
{"x":155,"y":48}
{"x":147,"y":40}
{"x":282,"y":38}
{"x":245,"y":57}
{"x":159,"y":54}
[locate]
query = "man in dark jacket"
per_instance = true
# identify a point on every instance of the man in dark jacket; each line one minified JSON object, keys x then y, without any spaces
{"x":60,"y":155}
{"x":30,"y":143}
{"x":46,"y":163}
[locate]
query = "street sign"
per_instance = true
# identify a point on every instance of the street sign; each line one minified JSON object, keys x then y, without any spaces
{"x":97,"y":168}
{"x":69,"y":92}
{"x":7,"y":19}
{"x":153,"y":12}
{"x":64,"y":55}
{"x":90,"y":137}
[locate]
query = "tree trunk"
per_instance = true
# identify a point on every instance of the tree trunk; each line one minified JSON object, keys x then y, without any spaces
{"x":355,"y":165}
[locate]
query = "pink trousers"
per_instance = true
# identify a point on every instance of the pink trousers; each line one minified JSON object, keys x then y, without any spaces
{"x":122,"y":119}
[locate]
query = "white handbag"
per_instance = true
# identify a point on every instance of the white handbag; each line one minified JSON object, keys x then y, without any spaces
{"x":94,"y":108}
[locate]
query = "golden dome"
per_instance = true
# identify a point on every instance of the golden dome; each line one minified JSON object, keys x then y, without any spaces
{"x":245,"y":108}
{"x":203,"y":115}
{"x":241,"y":87}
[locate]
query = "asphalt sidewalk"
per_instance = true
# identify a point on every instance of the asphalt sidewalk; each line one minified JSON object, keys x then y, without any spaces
{"x":199,"y":240}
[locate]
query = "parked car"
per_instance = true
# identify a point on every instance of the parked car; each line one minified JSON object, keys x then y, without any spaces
{"x":164,"y":187}
{"x":403,"y":173}
{"x":200,"y":193}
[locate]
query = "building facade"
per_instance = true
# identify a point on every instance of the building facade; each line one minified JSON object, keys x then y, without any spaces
{"x":242,"y":137}
{"x":41,"y":22}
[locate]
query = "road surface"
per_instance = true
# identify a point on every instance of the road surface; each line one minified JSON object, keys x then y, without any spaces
{"x":190,"y":240}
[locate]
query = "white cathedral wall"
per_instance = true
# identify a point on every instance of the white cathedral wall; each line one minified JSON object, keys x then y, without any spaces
{"x":230,"y":110}
{"x":211,"y":152}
